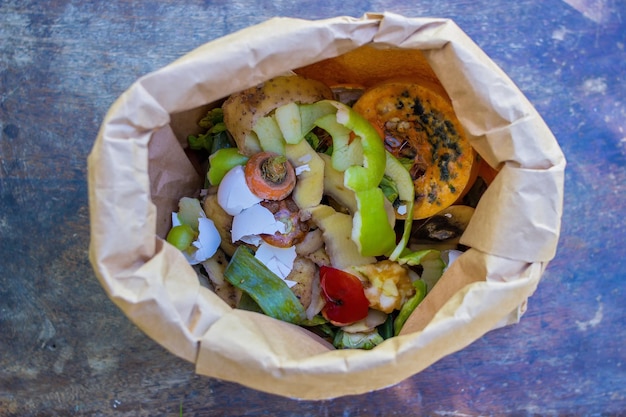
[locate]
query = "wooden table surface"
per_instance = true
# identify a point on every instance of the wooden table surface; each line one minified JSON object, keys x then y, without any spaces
{"x":67,"y":350}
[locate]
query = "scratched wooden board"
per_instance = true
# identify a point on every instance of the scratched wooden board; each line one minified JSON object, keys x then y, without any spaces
{"x":67,"y":350}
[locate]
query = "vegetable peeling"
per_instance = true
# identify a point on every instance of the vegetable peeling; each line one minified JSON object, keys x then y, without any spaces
{"x":318,"y":205}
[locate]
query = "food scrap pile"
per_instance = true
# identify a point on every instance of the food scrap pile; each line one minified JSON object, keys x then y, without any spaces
{"x":336,"y":214}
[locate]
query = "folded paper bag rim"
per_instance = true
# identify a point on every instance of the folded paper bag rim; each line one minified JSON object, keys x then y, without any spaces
{"x":151,"y":282}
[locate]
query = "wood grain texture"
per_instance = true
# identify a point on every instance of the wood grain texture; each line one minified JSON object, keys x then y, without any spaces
{"x":67,"y":349}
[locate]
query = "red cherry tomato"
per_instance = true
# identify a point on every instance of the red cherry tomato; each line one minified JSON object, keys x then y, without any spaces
{"x":344,"y":295}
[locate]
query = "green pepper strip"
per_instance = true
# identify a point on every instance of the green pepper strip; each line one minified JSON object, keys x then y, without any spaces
{"x":406,"y":193}
{"x":409,"y":306}
{"x":222,"y":161}
{"x":371,"y":230}
{"x":386,"y":329}
{"x":416,"y":258}
{"x":371,"y":173}
{"x":270,"y":292}
{"x":346,"y":152}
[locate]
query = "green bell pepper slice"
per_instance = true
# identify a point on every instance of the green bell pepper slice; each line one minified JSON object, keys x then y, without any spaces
{"x":222,"y":161}
{"x":418,"y":257}
{"x":346,"y":152}
{"x":409,"y":306}
{"x":371,"y":230}
{"x":374,"y":160}
{"x":400,"y":176}
{"x":431,"y":261}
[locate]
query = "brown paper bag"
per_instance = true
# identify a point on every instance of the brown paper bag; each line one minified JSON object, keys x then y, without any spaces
{"x":138,"y":170}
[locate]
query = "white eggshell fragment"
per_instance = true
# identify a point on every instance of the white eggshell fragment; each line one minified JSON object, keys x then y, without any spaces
{"x":233,"y":194}
{"x":302,"y":168}
{"x":208,"y":241}
{"x":253,"y":221}
{"x":449,"y":256}
{"x":277,"y":260}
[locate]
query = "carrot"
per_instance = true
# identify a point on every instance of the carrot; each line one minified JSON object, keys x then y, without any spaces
{"x":270,"y":175}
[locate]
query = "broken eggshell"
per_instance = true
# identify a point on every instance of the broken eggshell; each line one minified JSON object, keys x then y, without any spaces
{"x":233,"y":194}
{"x":278,"y":260}
{"x":254,"y":221}
{"x":251,"y":219}
{"x":207,"y":242}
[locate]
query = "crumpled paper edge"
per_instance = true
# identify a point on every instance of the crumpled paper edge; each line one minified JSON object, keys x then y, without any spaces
{"x":318,"y":373}
{"x":186,"y":318}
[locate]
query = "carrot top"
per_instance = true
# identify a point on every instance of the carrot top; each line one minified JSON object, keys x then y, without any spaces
{"x":270,"y":175}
